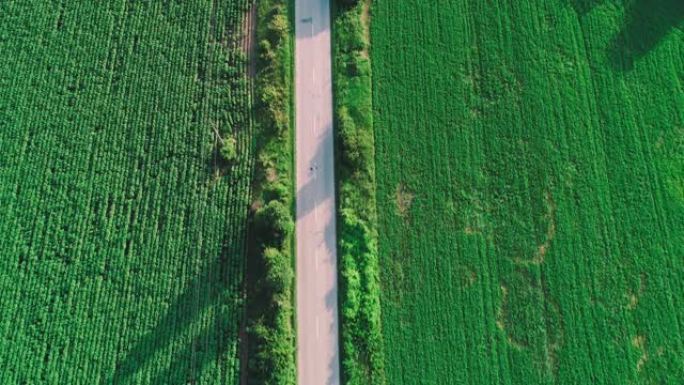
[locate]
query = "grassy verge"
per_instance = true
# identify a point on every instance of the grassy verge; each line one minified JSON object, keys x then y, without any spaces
{"x":270,"y":310}
{"x":363,"y":359}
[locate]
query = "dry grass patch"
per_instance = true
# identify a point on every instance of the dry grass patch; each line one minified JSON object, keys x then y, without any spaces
{"x":404,"y":199}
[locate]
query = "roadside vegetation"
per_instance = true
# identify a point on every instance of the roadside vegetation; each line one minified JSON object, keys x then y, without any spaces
{"x":530,"y":190}
{"x":270,"y":265}
{"x":361,"y":340}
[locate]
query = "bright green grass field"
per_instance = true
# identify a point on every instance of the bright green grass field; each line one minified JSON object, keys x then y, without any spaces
{"x":530,"y":162}
{"x":121,"y":247}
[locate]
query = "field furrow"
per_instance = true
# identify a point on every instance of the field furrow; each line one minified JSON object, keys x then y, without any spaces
{"x":123,"y":229}
{"x":529,"y":167}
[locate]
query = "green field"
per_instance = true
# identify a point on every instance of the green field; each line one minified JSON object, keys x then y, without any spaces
{"x":122,"y":245}
{"x":530,"y":167}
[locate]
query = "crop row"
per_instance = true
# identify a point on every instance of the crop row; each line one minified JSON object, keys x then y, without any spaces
{"x":529,"y":191}
{"x":123,"y":231}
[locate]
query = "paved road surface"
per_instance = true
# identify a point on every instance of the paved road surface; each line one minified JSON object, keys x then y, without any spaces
{"x":317,"y":322}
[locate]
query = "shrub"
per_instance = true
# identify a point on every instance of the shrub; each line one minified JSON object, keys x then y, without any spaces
{"x":348,"y":3}
{"x":228,"y":150}
{"x":271,"y":334}
{"x":279,"y":274}
{"x":361,"y":337}
{"x":273,"y":223}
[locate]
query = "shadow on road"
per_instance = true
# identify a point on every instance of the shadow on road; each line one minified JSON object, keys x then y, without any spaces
{"x":334,"y":362}
{"x":321,"y":171}
{"x":318,"y":168}
{"x":313,"y":189}
{"x":308,"y":25}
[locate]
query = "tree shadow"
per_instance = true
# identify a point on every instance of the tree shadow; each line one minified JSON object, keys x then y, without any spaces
{"x":331,"y":302}
{"x":318,"y":165}
{"x":647,"y":23}
{"x":212,"y":286}
{"x":582,"y":7}
{"x":319,"y":169}
{"x":308,"y":22}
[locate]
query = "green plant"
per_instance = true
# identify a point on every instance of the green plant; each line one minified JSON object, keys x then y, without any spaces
{"x":123,"y":242}
{"x":229,"y":149}
{"x":273,"y":223}
{"x":525,"y":158}
{"x":362,"y":351}
{"x":270,"y":307}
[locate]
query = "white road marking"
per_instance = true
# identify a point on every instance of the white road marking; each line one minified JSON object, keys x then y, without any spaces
{"x":316,"y":258}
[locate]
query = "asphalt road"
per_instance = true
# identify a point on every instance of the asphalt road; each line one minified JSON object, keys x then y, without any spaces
{"x":317,"y":319}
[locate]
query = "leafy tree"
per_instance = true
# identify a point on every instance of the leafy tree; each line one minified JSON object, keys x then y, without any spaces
{"x":273,"y":223}
{"x":279,"y":274}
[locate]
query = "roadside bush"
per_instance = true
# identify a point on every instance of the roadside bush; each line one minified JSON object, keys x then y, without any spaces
{"x":348,"y":3}
{"x":272,"y":363}
{"x":361,"y":338}
{"x":276,"y":191}
{"x":278,"y":26}
{"x":271,"y":336}
{"x":279,"y":274}
{"x":349,"y":145}
{"x":273,"y":223}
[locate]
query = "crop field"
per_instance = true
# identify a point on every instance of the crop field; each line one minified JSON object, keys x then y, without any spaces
{"x":530,"y":167}
{"x":122,"y":245}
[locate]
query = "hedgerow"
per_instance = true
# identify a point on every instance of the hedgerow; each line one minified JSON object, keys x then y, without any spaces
{"x":271,"y":334}
{"x":362,"y":351}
